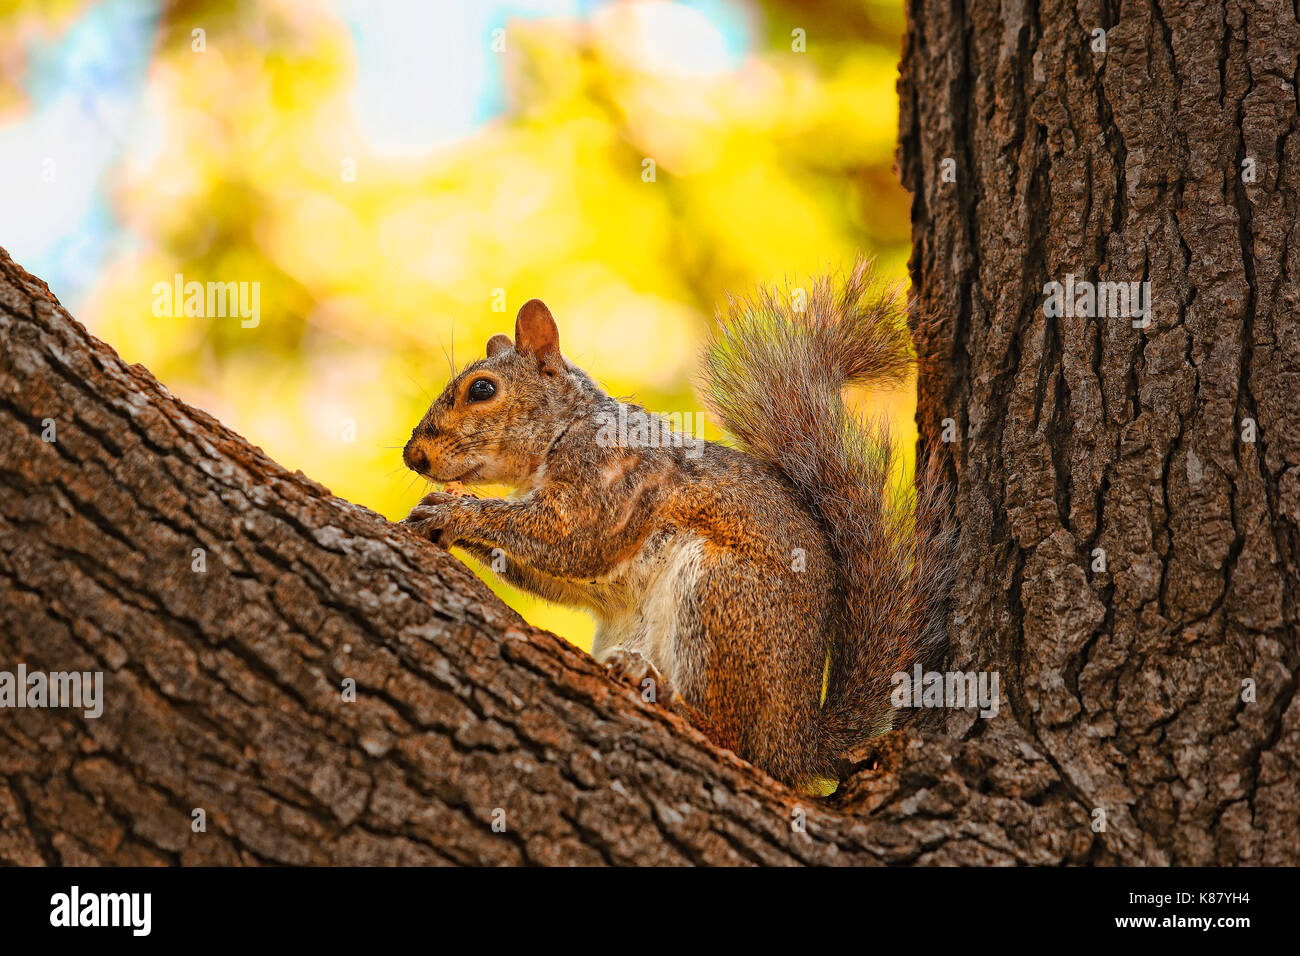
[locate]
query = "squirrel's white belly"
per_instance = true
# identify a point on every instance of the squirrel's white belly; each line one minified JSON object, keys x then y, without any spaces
{"x":649,"y":605}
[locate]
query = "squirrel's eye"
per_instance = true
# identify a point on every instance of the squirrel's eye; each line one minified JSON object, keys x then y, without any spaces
{"x":480,"y":390}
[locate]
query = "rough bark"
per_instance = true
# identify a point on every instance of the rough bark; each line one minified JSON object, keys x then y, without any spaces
{"x":1076,"y":434}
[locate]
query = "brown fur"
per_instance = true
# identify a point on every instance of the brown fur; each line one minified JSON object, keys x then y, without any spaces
{"x":609,"y":528}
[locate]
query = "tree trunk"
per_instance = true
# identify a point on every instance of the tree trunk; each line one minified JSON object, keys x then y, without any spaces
{"x":1129,"y":497}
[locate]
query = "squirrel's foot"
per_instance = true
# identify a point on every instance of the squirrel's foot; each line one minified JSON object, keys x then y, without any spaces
{"x":431,"y":516}
{"x":635,"y":668}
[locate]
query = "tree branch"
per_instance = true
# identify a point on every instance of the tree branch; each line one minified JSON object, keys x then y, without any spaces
{"x":223,"y":687}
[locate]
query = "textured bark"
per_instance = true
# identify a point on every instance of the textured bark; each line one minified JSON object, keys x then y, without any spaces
{"x":1125,"y":686}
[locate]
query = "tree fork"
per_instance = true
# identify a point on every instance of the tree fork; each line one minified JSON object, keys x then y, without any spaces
{"x":1127,"y":564}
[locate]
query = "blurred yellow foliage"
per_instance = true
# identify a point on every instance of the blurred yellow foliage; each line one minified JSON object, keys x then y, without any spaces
{"x":374,"y":268}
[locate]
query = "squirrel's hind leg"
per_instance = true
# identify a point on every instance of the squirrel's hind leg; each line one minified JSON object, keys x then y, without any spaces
{"x":750,"y":633}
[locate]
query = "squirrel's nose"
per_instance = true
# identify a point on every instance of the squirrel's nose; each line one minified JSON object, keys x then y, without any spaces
{"x":415,"y":459}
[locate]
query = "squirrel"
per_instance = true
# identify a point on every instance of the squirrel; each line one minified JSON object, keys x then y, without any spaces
{"x":767,"y":592}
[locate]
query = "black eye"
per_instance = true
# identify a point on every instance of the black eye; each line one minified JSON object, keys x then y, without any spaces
{"x":480,"y":390}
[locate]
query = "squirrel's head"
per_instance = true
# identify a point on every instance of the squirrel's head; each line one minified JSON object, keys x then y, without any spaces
{"x":496,"y":419}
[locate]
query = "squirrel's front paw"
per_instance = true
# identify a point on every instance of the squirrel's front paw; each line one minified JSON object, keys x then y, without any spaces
{"x":635,"y":668}
{"x":432,"y":516}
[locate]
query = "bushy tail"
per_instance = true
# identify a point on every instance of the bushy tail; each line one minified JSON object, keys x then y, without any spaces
{"x":775,"y":368}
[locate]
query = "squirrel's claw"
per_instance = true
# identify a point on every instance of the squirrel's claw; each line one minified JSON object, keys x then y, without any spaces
{"x":635,"y":668}
{"x":431,"y":501}
{"x":429,"y":518}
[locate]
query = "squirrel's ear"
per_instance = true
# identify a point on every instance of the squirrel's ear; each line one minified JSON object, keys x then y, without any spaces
{"x":536,"y":333}
{"x":498,"y":343}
